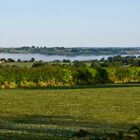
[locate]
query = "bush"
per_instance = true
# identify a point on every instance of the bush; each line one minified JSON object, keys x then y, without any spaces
{"x":65,"y":75}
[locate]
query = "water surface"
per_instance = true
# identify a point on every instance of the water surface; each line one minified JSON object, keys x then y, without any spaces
{"x":49,"y":58}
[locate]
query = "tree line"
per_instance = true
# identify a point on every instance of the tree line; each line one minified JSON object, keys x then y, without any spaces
{"x":54,"y":74}
{"x":71,"y":51}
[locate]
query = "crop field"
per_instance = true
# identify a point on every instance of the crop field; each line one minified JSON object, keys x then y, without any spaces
{"x":39,"y":114}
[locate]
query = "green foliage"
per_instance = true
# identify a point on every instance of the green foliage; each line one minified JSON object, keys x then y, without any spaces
{"x":45,"y":74}
{"x":85,"y":75}
{"x":111,"y":73}
{"x":124,"y":74}
{"x":134,"y":74}
{"x":102,"y":76}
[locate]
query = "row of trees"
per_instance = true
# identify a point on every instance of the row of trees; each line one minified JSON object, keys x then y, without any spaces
{"x":19,"y":60}
{"x":65,"y":75}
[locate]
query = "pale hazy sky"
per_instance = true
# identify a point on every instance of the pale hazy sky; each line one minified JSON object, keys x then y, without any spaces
{"x":69,"y":23}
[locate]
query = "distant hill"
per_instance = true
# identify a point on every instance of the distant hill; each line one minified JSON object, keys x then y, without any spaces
{"x":73,"y":51}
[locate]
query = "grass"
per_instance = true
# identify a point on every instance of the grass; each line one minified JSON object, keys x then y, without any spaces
{"x":57,"y":114}
{"x":19,"y":64}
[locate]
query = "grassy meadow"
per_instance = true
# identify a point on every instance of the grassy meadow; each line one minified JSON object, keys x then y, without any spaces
{"x":57,"y":114}
{"x":18,"y":64}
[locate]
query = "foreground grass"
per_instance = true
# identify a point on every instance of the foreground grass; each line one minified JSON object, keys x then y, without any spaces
{"x":57,"y":114}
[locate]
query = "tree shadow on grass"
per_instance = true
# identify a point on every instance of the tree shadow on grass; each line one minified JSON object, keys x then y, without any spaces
{"x":86,"y":86}
{"x":40,"y":127}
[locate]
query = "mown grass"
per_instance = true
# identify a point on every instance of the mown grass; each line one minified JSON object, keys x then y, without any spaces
{"x":57,"y":114}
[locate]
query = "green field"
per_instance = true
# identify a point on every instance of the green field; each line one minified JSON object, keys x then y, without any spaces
{"x":57,"y":114}
{"x":18,"y":64}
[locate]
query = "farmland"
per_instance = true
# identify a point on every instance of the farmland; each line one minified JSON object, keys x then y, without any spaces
{"x":58,"y":113}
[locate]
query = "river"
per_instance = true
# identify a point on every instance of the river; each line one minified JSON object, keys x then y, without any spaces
{"x":49,"y":58}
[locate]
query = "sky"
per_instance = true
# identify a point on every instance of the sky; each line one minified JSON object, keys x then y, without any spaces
{"x":70,"y":23}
